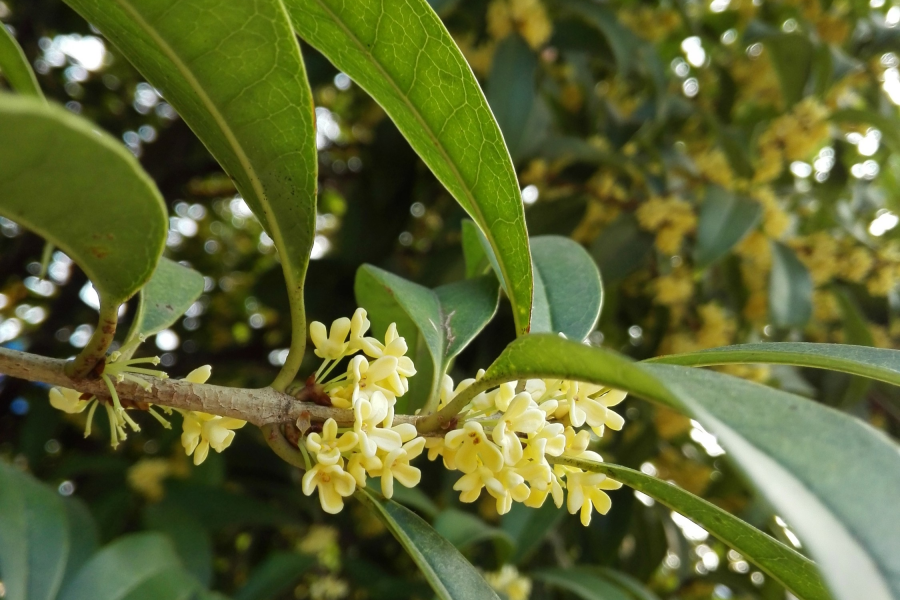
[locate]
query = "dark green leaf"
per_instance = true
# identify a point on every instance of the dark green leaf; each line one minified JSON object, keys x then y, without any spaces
{"x":171,"y":584}
{"x":169,"y":293}
{"x":622,"y":41}
{"x":881,"y":364}
{"x":725,"y":218}
{"x":450,"y":575}
{"x":587,"y":583}
{"x":790,"y":289}
{"x":784,"y":564}
{"x":424,"y":84}
{"x":14,"y":66}
{"x":446,"y":319}
{"x":464,"y":530}
{"x":510,"y":89}
{"x":83,"y":191}
{"x":83,"y":536}
{"x":473,"y":245}
{"x":190,"y":538}
{"x":529,"y":526}
{"x":234,"y":74}
{"x":277,"y":574}
{"x":568,"y":293}
{"x":792,"y":56}
{"x":121,"y":567}
{"x":621,"y":248}
{"x":34,"y":537}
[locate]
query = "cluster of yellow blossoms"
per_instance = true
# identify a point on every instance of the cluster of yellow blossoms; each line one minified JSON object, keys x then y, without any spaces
{"x":340,"y":460}
{"x":505,"y":436}
{"x":670,"y":218}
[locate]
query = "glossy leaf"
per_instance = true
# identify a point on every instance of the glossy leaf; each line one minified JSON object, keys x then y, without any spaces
{"x":787,"y":566}
{"x":881,"y":364}
{"x":14,"y":67}
{"x":473,"y":244}
{"x":790,"y":289}
{"x":278,"y":573}
{"x":568,"y":293}
{"x":511,"y":90}
{"x":587,"y":583}
{"x":830,"y":476}
{"x":725,"y":218}
{"x":234,"y":74}
{"x":34,"y":537}
{"x":448,"y":573}
{"x":122,"y":567}
{"x":422,"y":81}
{"x":446,"y":318}
{"x":79,"y":188}
{"x":171,"y":290}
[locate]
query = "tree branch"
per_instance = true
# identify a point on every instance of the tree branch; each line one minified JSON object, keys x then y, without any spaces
{"x":262,"y":406}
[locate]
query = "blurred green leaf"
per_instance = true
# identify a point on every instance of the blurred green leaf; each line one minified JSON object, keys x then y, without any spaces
{"x":792,"y":56}
{"x":169,"y":293}
{"x":889,"y":126}
{"x":450,"y":575}
{"x":568,"y":293}
{"x":80,"y":189}
{"x":832,"y":477}
{"x":34,"y":537}
{"x":171,"y":584}
{"x":234,"y":74}
{"x":790,"y":289}
{"x":278,"y":573}
{"x":621,"y":248}
{"x":622,"y":41}
{"x":464,"y":530}
{"x":14,"y":66}
{"x":424,"y":84}
{"x":446,"y":318}
{"x":725,"y":218}
{"x":511,"y":90}
{"x":790,"y":568}
{"x":881,"y":364}
{"x":122,"y":567}
{"x":585,"y":582}
{"x":83,"y":536}
{"x":528,"y":527}
{"x":190,"y":538}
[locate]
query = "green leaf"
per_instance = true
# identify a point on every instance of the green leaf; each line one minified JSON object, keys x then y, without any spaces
{"x":464,"y":530}
{"x":278,"y":573}
{"x":622,"y":41}
{"x":585,"y":582}
{"x":83,"y":536}
{"x":568,"y":293}
{"x":422,"y":81}
{"x":792,"y":56}
{"x":787,"y":566}
{"x":121,"y":567}
{"x":170,"y":292}
{"x":510,"y":90}
{"x":529,"y":526}
{"x":448,"y":573}
{"x":473,"y":245}
{"x":171,"y":584}
{"x":234,"y":74}
{"x":446,"y":319}
{"x":621,"y":248}
{"x":833,"y":478}
{"x":887,"y":125}
{"x":79,"y":188}
{"x":790,"y":289}
{"x":14,"y":66}
{"x":882,"y":364}
{"x":190,"y":538}
{"x":725,"y":218}
{"x":34,"y":537}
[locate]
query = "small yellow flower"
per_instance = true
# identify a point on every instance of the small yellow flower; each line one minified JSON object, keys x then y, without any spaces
{"x":146,"y":477}
{"x":510,"y":582}
{"x":522,"y":416}
{"x":202,"y":431}
{"x":333,"y":346}
{"x":396,"y":466}
{"x":586,"y":492}
{"x":68,"y":401}
{"x":327,"y":446}
{"x":473,"y":446}
{"x":334,"y":484}
{"x":370,"y":417}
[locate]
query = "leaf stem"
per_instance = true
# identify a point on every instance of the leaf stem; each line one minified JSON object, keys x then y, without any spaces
{"x":96,"y":348}
{"x":283,"y":448}
{"x":288,"y":371}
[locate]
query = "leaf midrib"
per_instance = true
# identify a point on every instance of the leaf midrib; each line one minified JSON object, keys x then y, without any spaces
{"x":436,"y":140}
{"x":221,"y":122}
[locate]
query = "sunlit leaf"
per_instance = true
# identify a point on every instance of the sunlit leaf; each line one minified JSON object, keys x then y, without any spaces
{"x":79,"y":188}
{"x":425,"y":85}
{"x":234,"y":74}
{"x":450,"y":575}
{"x":171,"y":290}
{"x":14,"y":66}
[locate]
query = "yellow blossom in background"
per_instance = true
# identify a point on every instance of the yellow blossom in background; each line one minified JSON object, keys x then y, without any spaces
{"x":825,"y":307}
{"x":718,"y":327}
{"x":146,"y":477}
{"x":856,"y":264}
{"x":775,"y":220}
{"x":510,"y":582}
{"x":755,"y":78}
{"x":791,"y":137}
{"x":675,"y":288}
{"x":328,"y":588}
{"x":714,"y":166}
{"x":318,"y":538}
{"x":820,"y":253}
{"x":528,"y":18}
{"x":670,"y":218}
{"x":479,"y":56}
{"x":651,"y":23}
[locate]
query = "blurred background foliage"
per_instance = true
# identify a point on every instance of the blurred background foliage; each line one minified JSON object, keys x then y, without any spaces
{"x":733,"y":166}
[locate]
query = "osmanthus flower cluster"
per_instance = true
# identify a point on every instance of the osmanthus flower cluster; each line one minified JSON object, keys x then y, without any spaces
{"x":340,"y":460}
{"x":506,"y":440}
